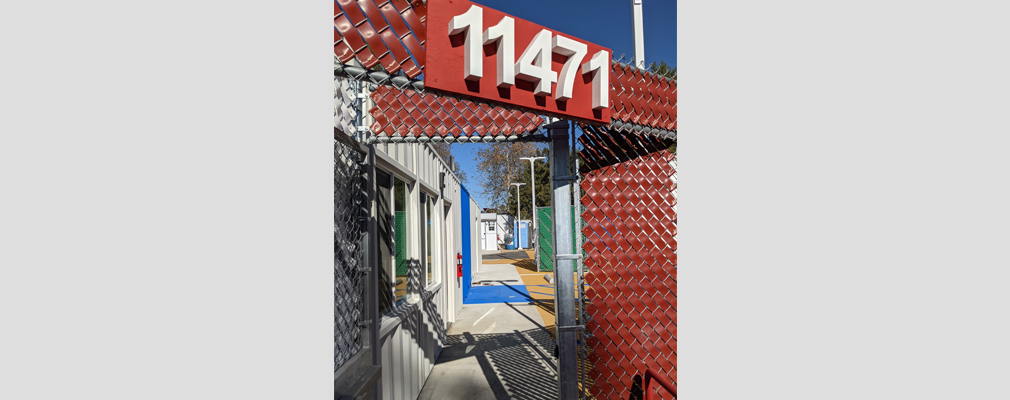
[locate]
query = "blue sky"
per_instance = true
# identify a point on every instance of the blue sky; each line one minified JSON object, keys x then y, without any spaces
{"x":604,"y":22}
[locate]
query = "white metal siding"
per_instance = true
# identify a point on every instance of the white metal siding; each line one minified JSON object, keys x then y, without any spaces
{"x":409,"y":350}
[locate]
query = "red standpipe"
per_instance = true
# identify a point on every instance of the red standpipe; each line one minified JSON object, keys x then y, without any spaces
{"x":651,"y":374}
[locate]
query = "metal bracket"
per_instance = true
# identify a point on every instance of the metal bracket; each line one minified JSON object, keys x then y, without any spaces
{"x":568,"y":256}
{"x":566,"y":178}
{"x":365,"y":323}
{"x":571,"y":328}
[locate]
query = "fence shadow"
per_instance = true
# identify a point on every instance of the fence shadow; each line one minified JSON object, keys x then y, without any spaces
{"x":526,"y":265}
{"x":517,"y":365}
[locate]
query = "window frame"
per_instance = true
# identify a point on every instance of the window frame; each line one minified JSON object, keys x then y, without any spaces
{"x":409,"y":239}
{"x":429,"y":283}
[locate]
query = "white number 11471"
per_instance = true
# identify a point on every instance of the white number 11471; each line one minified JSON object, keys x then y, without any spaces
{"x":534,"y":65}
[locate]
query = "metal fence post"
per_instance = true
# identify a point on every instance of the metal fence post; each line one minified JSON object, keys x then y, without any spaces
{"x":358,"y":375}
{"x":564,"y":264}
{"x":583,"y":335}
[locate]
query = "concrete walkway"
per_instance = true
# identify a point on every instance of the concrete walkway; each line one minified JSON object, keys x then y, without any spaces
{"x":511,"y":255}
{"x":495,"y":351}
{"x":498,"y":274}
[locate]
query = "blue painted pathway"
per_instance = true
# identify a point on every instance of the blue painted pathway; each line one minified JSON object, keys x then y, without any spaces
{"x":498,"y":294}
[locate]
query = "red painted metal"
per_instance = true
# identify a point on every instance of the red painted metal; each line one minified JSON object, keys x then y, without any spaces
{"x":445,"y":71}
{"x":409,"y":113}
{"x":650,"y":375}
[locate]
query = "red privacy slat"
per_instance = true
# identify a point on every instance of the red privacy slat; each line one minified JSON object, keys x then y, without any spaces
{"x":642,"y":97}
{"x":630,"y":231}
{"x":381,"y":34}
{"x":393,"y":33}
{"x":409,"y":113}
{"x":629,"y":262}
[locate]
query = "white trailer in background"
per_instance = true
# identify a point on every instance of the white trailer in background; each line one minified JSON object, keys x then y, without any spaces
{"x":489,"y":231}
{"x":505,"y":227}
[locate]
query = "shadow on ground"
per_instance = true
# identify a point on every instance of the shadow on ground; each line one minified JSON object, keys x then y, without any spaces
{"x":512,"y":255}
{"x":500,"y":351}
{"x":517,"y":365}
{"x":527,"y":265}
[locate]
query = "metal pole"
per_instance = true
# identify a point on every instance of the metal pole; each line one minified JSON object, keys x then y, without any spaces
{"x":636,"y":8}
{"x":515,"y":232}
{"x":564,"y":264}
{"x":372,"y":249}
{"x":373,"y":258}
{"x":533,"y":201}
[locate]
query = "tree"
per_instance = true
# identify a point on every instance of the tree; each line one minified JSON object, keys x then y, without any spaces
{"x":542,"y":174}
{"x":498,"y":166}
{"x":444,"y":150}
{"x":663,"y":69}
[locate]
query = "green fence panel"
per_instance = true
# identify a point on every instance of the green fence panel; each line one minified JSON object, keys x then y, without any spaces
{"x":546,"y":237}
{"x":545,"y":228}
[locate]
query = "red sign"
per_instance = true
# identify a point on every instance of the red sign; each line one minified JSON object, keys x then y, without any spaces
{"x":480,"y":52}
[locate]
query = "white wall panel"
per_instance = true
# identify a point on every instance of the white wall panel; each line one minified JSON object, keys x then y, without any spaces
{"x":411,"y":347}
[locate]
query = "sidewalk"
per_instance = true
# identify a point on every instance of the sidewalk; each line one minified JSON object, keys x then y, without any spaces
{"x":502,"y":278}
{"x":502,"y":349}
{"x":495,"y":351}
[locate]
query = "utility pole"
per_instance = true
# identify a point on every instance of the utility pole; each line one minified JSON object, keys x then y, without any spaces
{"x":533,"y":200}
{"x":636,"y":9}
{"x":515,"y":232}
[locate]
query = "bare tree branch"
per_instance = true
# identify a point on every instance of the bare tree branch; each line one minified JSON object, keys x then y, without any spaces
{"x":498,"y":165}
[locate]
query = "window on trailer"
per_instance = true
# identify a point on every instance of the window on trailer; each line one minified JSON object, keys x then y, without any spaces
{"x":384,"y":223}
{"x":402,"y":284}
{"x":429,"y":255}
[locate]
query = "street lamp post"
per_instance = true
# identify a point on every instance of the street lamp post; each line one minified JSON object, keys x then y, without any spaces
{"x":636,"y":22}
{"x":533,"y":201}
{"x":515,"y":232}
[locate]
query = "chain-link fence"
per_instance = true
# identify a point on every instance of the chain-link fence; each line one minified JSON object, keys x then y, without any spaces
{"x":389,"y":35}
{"x":413,"y":115}
{"x":628,"y":194}
{"x":642,"y":101}
{"x":350,"y":214}
{"x":628,"y":191}
{"x":395,"y":108}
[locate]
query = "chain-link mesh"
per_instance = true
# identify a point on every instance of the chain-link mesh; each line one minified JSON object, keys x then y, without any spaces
{"x":349,"y":276}
{"x":628,"y":194}
{"x":420,"y":115}
{"x":642,"y":101}
{"x":629,"y":190}
{"x":391,"y":34}
{"x":347,"y":109}
{"x":397,"y":109}
{"x":384,"y":43}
